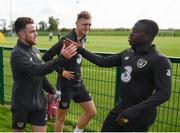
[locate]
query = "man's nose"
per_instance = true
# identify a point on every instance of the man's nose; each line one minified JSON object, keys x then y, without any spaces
{"x":36,"y":33}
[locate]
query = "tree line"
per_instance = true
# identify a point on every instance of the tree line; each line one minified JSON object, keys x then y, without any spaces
{"x":52,"y":25}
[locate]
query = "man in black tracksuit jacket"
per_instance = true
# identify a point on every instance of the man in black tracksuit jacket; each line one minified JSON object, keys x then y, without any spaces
{"x":145,"y":80}
{"x":73,"y":64}
{"x":73,"y":88}
{"x":28,"y":100}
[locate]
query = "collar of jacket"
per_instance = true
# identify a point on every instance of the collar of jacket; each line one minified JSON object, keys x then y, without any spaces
{"x":73,"y":31}
{"x":21,"y":44}
{"x":144,"y":49}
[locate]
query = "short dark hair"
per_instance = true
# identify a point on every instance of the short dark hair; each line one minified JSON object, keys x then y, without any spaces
{"x":83,"y":14}
{"x":151,"y":27}
{"x":21,"y":23}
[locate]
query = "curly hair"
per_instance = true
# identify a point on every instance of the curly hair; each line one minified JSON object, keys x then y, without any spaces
{"x":21,"y":23}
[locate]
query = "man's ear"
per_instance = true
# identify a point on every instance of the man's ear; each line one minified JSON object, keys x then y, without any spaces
{"x":21,"y":35}
{"x":149,"y":38}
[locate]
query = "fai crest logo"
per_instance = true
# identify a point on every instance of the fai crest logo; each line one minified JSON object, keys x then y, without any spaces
{"x":20,"y":124}
{"x":79,"y":59}
{"x":64,"y":104}
{"x":141,"y":63}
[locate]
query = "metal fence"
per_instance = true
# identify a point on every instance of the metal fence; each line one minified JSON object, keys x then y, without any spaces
{"x":101,"y":83}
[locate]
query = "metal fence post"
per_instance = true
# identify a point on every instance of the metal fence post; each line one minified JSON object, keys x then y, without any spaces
{"x":117,"y":89}
{"x":1,"y":77}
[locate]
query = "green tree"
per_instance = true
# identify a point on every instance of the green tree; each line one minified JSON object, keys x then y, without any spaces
{"x":3,"y":23}
{"x":12,"y":25}
{"x":53,"y":24}
{"x":42,"y":26}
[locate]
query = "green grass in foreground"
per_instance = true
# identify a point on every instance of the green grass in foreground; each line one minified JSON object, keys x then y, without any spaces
{"x":6,"y":120}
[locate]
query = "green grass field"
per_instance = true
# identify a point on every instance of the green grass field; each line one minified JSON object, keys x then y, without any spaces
{"x":97,"y":80}
{"x":167,"y":45}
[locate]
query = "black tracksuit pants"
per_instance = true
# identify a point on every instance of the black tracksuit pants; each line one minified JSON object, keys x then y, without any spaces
{"x":138,"y":124}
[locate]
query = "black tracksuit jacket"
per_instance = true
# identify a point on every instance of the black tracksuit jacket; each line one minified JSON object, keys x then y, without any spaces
{"x":73,"y":64}
{"x":29,"y":78}
{"x":145,"y":77}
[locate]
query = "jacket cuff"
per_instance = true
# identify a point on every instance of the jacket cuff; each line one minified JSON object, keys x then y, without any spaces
{"x":80,"y":50}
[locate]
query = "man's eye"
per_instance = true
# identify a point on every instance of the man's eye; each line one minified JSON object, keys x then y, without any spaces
{"x":87,"y":24}
{"x":136,"y":31}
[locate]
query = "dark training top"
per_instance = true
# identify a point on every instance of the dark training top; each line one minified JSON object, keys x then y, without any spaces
{"x":29,"y":78}
{"x":73,"y":64}
{"x":145,"y":77}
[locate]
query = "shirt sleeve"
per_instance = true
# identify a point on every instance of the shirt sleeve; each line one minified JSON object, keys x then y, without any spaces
{"x":51,"y":53}
{"x":103,"y":61}
{"x":22,"y":63}
{"x":162,"y":92}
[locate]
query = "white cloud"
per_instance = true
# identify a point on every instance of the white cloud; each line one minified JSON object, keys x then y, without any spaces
{"x":105,"y":13}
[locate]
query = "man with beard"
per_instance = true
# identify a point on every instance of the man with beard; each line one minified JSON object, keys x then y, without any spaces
{"x":28,"y":103}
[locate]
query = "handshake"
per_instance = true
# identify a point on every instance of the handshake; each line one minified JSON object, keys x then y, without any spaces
{"x":69,"y":48}
{"x":68,"y":42}
{"x":57,"y":95}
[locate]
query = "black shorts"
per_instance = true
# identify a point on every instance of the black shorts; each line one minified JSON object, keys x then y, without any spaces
{"x":77,"y":93}
{"x":20,"y":118}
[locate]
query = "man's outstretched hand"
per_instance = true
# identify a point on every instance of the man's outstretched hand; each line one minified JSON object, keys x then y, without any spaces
{"x":69,"y":51}
{"x":67,"y":42}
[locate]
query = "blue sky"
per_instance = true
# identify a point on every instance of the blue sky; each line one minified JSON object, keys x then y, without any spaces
{"x":105,"y":13}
